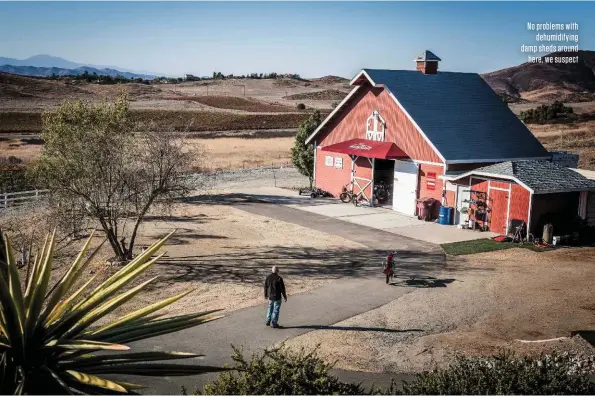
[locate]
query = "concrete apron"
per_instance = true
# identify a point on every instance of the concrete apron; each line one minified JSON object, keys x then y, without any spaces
{"x":379,"y":218}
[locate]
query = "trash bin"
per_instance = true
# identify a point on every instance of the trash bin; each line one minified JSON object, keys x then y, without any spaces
{"x":445,"y":215}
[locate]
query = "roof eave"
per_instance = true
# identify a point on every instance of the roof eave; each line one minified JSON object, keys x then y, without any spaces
{"x":495,"y":176}
{"x":486,"y":160}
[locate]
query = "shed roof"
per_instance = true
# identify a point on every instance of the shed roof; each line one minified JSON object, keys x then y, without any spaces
{"x":541,"y":177}
{"x":463,"y":118}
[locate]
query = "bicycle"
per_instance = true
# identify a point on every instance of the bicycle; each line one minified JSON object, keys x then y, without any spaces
{"x":346,"y":195}
{"x":359,"y":198}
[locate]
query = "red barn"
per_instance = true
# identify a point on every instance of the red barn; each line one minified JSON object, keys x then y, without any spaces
{"x":442,"y":135}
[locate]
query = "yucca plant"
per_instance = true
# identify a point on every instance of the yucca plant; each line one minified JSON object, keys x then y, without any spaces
{"x":50,"y":342}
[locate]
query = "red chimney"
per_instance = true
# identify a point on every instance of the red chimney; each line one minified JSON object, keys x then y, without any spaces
{"x":427,"y":63}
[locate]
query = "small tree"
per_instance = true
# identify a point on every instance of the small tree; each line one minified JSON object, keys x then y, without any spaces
{"x":95,"y":166}
{"x":302,"y":155}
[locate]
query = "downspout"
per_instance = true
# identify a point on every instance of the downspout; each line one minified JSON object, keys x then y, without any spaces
{"x":315,"y":156}
{"x":529,"y":214}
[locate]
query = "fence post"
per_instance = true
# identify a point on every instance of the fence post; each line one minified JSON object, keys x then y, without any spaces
{"x":5,"y":200}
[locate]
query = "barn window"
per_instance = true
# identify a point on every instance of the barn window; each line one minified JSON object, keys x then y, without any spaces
{"x":328,"y":160}
{"x":375,"y":126}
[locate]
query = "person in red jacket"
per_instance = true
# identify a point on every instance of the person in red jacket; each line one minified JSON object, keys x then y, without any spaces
{"x":389,"y":265}
{"x":274,"y":288}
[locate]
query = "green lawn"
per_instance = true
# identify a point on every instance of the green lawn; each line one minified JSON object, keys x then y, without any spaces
{"x":482,"y":245}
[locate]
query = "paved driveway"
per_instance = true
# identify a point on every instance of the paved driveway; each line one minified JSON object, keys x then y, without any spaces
{"x":379,"y":218}
{"x":318,"y":309}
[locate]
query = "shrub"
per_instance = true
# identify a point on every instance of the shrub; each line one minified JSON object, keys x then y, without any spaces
{"x":545,"y":113}
{"x":279,"y":371}
{"x":301,"y":106}
{"x":505,"y":374}
{"x":50,"y":339}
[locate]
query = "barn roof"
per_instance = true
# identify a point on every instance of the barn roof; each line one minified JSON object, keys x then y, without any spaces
{"x":540,"y":177}
{"x":460,"y":116}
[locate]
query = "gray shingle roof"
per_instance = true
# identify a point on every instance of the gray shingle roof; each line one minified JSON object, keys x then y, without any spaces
{"x":540,"y":176}
{"x":461,"y":115}
{"x":428,"y":56}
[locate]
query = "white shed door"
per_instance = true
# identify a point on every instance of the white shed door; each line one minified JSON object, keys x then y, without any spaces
{"x":405,"y":187}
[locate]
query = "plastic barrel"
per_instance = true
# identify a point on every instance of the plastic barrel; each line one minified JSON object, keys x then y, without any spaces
{"x":445,"y":215}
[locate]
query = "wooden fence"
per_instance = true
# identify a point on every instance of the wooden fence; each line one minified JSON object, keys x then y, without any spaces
{"x":21,"y":197}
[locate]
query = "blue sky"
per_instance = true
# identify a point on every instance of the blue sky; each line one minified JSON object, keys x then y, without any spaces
{"x":311,"y":39}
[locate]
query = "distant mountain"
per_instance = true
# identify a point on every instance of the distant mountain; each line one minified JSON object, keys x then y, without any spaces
{"x":41,"y":61}
{"x":49,"y":61}
{"x":35,"y":71}
{"x":547,"y":81}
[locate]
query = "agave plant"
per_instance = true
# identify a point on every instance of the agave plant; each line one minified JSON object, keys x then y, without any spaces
{"x":50,"y":339}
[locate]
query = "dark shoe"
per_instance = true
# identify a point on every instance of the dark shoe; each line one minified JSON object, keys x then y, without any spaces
{"x":267,"y":323}
{"x":275,"y":326}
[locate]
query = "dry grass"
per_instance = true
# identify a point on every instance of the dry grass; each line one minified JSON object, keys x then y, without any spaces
{"x":220,"y":153}
{"x":235,"y":153}
{"x":577,"y":138}
{"x":236,"y":103}
{"x":327,"y":94}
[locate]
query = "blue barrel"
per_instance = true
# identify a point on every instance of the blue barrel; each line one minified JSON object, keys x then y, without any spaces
{"x":445,"y":215}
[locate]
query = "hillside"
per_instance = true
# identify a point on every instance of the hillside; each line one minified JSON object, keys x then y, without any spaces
{"x":547,"y":82}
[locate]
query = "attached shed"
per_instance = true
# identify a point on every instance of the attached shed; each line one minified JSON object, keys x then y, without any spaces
{"x":588,"y":199}
{"x":536,"y":192}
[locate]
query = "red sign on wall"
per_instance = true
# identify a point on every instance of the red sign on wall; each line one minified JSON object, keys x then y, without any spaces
{"x":431,"y":180}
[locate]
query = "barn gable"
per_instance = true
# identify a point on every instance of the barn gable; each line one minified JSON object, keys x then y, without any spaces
{"x":373,"y":111}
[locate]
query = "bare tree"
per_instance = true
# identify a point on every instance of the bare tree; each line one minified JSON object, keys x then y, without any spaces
{"x":99,"y":163}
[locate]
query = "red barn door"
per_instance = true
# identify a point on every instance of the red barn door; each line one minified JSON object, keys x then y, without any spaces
{"x":498,"y":202}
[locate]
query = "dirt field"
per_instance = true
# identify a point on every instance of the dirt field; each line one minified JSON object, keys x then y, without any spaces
{"x":245,"y":153}
{"x":494,"y":300}
{"x":220,"y":153}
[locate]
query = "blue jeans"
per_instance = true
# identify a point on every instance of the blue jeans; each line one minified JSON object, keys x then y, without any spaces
{"x":273,"y":311}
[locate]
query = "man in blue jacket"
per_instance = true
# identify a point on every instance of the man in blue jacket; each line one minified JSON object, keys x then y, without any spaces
{"x":274,"y":288}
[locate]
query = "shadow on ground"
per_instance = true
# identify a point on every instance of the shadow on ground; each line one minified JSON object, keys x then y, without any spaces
{"x":242,"y":198}
{"x":420,"y":281}
{"x":252,"y":265}
{"x":355,"y":328}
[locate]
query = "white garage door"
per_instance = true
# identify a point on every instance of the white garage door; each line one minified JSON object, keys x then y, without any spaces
{"x":405,"y":187}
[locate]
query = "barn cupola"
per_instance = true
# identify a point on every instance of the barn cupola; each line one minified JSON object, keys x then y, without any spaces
{"x":427,"y":63}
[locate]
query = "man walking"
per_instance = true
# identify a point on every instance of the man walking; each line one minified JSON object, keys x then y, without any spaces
{"x":274,"y":288}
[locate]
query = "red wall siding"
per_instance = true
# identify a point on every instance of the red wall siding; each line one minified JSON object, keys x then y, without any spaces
{"x":351,"y":124}
{"x":329,"y":178}
{"x":424,"y":169}
{"x":519,"y":203}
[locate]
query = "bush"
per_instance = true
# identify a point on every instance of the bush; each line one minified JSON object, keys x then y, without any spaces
{"x":279,"y":371}
{"x":301,"y":106}
{"x":545,"y":113}
{"x":505,"y":374}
